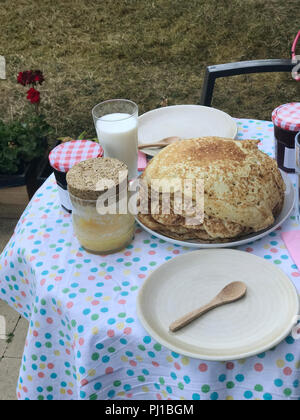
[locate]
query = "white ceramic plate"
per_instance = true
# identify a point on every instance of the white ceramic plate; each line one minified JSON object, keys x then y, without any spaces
{"x":251,"y":326}
{"x":184,"y":121}
{"x":289,"y":202}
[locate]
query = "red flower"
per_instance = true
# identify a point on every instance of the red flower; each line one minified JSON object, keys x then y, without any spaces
{"x":38,"y":77}
{"x":33,"y":96}
{"x":25,"y":78}
{"x":31,"y":77}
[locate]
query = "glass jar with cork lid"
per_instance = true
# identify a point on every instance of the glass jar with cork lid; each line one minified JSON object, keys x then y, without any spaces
{"x":98,"y":190}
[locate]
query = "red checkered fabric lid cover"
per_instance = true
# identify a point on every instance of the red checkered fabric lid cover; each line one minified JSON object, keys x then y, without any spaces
{"x":287,"y":116}
{"x":64,"y":156}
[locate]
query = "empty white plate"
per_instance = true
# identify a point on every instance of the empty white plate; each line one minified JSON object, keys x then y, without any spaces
{"x":184,"y":121}
{"x":289,"y":202}
{"x":242,"y":329}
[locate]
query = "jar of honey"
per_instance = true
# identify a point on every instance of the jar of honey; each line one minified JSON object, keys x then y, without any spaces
{"x":286,"y":120}
{"x":98,"y":190}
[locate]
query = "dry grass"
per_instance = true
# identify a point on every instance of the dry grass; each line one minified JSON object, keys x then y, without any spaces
{"x":144,"y":50}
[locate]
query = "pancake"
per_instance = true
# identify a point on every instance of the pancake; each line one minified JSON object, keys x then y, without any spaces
{"x":243,"y":188}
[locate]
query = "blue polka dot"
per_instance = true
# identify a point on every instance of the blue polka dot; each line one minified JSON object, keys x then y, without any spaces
{"x":214,"y":396}
{"x":240,"y":378}
{"x":278,"y":383}
{"x":196,"y":397}
{"x":147,"y":340}
{"x":248,"y":395}
{"x":268,"y":397}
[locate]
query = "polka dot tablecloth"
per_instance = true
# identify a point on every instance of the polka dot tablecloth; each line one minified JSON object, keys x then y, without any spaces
{"x":85,"y":341}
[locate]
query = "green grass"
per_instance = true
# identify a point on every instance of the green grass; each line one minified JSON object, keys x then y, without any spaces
{"x":144,"y":50}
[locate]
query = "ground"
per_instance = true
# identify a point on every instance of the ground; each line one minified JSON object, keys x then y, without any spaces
{"x":145,"y":51}
{"x":11,"y":351}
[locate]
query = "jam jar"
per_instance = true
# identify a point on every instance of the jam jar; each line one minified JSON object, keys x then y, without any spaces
{"x":286,"y":120}
{"x":98,"y":191}
{"x":63,"y":157}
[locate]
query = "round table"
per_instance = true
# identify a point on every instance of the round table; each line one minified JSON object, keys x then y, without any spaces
{"x":84,"y":339}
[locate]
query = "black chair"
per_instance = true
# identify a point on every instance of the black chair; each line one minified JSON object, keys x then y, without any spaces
{"x":243,"y":67}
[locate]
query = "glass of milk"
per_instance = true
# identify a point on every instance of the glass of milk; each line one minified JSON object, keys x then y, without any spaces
{"x":116,"y":123}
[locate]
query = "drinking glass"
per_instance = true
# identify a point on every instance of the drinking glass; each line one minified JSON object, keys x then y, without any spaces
{"x":116,"y":123}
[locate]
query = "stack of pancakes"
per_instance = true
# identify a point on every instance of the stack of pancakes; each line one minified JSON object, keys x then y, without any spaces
{"x":243,"y":189}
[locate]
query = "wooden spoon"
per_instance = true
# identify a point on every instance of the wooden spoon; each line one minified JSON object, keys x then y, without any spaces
{"x":231,"y":293}
{"x":162,"y":143}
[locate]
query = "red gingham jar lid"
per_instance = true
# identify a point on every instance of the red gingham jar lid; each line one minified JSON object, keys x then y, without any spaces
{"x":287,"y":116}
{"x":64,"y":156}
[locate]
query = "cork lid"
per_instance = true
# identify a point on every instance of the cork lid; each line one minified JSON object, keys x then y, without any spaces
{"x":89,"y":179}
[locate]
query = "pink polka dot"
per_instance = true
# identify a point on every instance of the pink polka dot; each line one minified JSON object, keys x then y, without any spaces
{"x":177,"y":366}
{"x":155,"y":364}
{"x":91,"y":278}
{"x":296,"y":274}
{"x":203,"y":367}
{"x":55,"y":256}
{"x":249,"y":250}
{"x":151,"y":252}
{"x":58,"y":278}
{"x":128,"y":331}
{"x":25,"y":389}
{"x":259,"y":367}
{"x":79,"y":254}
{"x":122,"y":302}
{"x":230,"y":366}
{"x":158,"y":396}
{"x":70,"y":305}
{"x":59,"y":311}
{"x":31,"y":259}
{"x":30,"y":237}
{"x":49,"y":321}
{"x":287,"y":371}
{"x":41,"y":375}
{"x":46,"y":236}
{"x":35,"y":334}
{"x":129,"y":395}
{"x":110,"y":333}
{"x":50,"y":366}
{"x":23,"y":294}
{"x":127,"y":254}
{"x":84,"y":382}
{"x":68,"y":352}
{"x":274,"y":250}
{"x":108,"y":277}
{"x":132,"y":363}
{"x":43,"y":281}
{"x":81,"y":341}
{"x":70,"y":392}
{"x":141,"y":276}
{"x":109,"y":370}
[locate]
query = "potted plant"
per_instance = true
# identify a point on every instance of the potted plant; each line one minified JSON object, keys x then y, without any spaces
{"x":24,"y":142}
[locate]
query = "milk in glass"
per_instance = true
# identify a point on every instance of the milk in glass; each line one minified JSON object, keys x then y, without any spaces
{"x":118,"y":135}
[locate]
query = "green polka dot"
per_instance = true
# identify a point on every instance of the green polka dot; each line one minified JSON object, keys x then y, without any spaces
{"x":40,"y":398}
{"x":141,"y":347}
{"x":117,"y":383}
{"x":180,"y":386}
{"x":95,"y":317}
{"x":287,"y":392}
{"x":230,"y":385}
{"x":259,"y":388}
{"x":49,"y":389}
{"x":157,"y":347}
{"x":93,"y":397}
{"x":134,"y":288}
{"x":161,"y":381}
{"x":205,"y":389}
{"x":277,"y":262}
{"x":141,"y":378}
{"x":95,"y":357}
{"x":122,"y":315}
{"x":111,"y":349}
